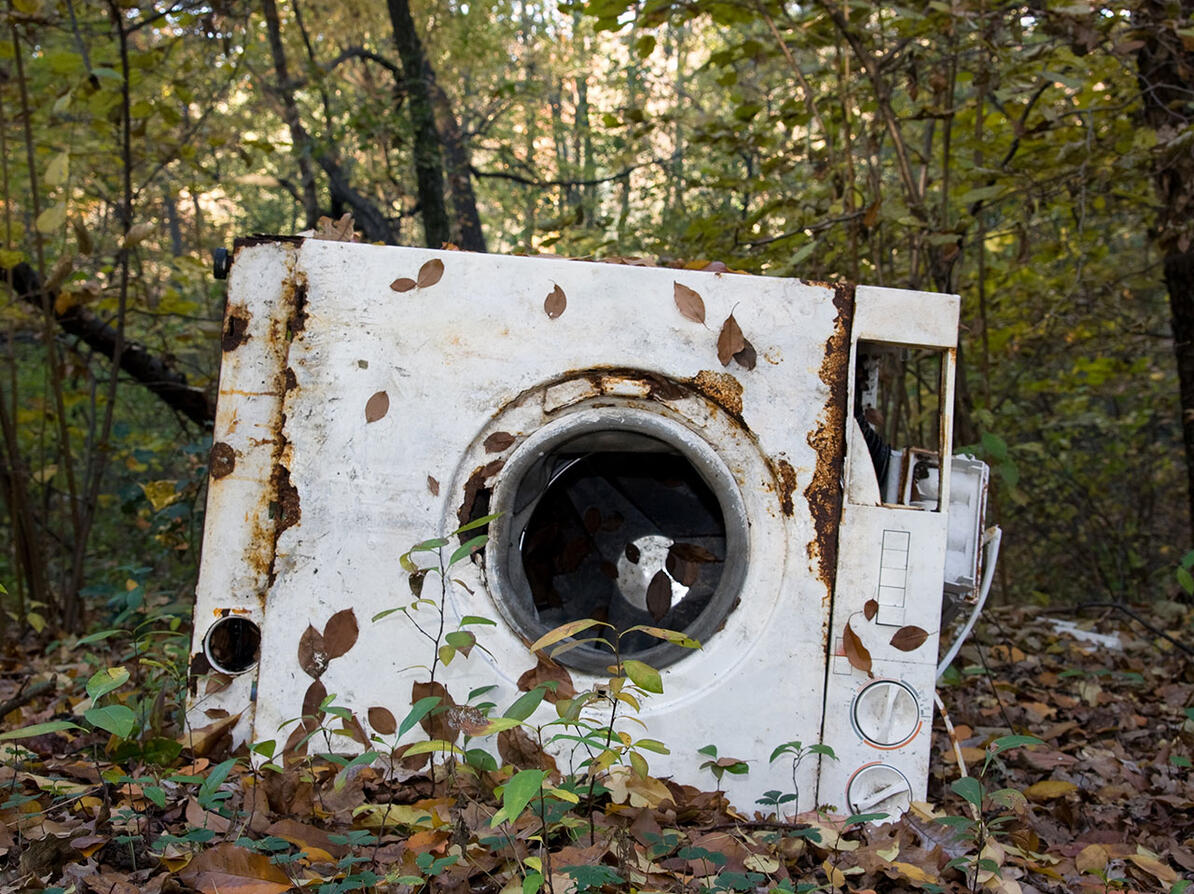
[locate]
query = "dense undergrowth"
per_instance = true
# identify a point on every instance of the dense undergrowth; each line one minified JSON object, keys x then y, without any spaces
{"x":1078,"y":778}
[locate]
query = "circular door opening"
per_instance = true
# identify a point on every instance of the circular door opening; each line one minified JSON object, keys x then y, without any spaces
{"x":626,"y":517}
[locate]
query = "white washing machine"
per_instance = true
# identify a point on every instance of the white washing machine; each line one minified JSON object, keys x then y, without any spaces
{"x":374,"y":397}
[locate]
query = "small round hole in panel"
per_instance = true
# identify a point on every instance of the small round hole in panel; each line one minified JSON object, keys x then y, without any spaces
{"x":233,"y":644}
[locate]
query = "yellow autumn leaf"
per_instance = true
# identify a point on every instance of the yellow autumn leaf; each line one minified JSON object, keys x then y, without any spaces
{"x":1049,"y":789}
{"x":58,"y":169}
{"x":52,"y":218}
{"x":379,"y":816}
{"x":160,"y":493}
{"x":836,"y":877}
{"x":1092,"y":858}
{"x":761,"y":863}
{"x":913,"y":873}
{"x":1154,"y":867}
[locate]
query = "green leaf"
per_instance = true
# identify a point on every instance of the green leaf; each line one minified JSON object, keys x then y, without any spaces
{"x":468,"y":548}
{"x":526,"y":704}
{"x":432,"y":746}
{"x":418,"y":711}
{"x":652,"y":745}
{"x":500,"y":724}
{"x":476,"y":523}
{"x":477,"y":619}
{"x":643,"y":675}
{"x":672,"y":636}
{"x":970,"y":790}
{"x":859,"y":818}
{"x":103,"y":682}
{"x":1004,"y":743}
{"x":38,"y":729}
{"x":118,"y":720}
{"x":564,"y":631}
{"x":1185,"y":580}
{"x":522,"y":787}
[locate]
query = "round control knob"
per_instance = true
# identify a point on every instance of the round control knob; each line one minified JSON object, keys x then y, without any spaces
{"x":879,"y":789}
{"x":886,"y":713}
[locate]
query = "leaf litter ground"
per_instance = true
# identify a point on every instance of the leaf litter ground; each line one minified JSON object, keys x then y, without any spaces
{"x":1105,"y":803}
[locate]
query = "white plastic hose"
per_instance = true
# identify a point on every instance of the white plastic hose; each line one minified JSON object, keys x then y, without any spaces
{"x":991,"y":545}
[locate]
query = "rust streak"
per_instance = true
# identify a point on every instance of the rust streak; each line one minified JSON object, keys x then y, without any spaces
{"x":721,"y":388}
{"x":222,"y":460}
{"x":824,"y":492}
{"x":785,"y":475}
{"x":236,"y":325}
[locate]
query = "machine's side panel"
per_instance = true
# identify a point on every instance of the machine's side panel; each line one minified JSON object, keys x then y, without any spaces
{"x":892,"y":545}
{"x":243,"y":505}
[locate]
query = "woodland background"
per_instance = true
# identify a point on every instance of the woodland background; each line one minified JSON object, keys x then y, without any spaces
{"x":1035,"y":158}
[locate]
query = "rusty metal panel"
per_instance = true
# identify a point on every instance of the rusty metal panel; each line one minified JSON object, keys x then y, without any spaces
{"x":373,"y":397}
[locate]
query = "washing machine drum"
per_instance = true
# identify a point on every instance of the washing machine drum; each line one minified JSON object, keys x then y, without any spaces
{"x":624,"y":517}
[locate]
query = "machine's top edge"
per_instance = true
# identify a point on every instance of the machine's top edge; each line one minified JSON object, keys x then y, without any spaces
{"x":713,"y":267}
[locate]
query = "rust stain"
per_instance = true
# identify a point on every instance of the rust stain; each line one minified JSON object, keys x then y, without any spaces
{"x":222,"y":460}
{"x":264,"y":239}
{"x":286,"y":502}
{"x":785,"y":476}
{"x":477,"y":493}
{"x":824,"y":492}
{"x":236,"y":326}
{"x":721,"y":388}
{"x":290,"y":379}
{"x":298,"y":306}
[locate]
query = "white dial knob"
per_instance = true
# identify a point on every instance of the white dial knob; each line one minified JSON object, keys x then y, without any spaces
{"x":879,"y":789}
{"x":886,"y":713}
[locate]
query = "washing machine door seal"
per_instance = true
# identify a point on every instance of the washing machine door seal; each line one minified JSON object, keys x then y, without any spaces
{"x":623,"y":514}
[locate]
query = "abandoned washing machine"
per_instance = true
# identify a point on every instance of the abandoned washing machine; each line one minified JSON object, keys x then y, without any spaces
{"x":760,"y":464}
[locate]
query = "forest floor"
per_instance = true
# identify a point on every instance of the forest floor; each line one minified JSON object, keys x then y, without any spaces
{"x":1104,"y":803}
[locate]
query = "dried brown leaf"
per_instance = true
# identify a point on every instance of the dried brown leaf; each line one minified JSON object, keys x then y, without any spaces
{"x":312,"y":699}
{"x":403,"y":284}
{"x":633,"y":554}
{"x":433,"y":486}
{"x":547,"y":671}
{"x":430,"y":273}
{"x":689,"y":302}
{"x":746,"y":358}
{"x":497,"y":442}
{"x":856,"y":652}
{"x":231,"y":868}
{"x":870,"y":609}
{"x":382,"y":720}
{"x":555,"y":303}
{"x":377,"y":406}
{"x":909,"y":638}
{"x":592,"y":519}
{"x":729,"y":341}
{"x":312,"y":654}
{"x":340,"y":633}
{"x":517,"y":748}
{"x":435,"y":723}
{"x":659,"y":595}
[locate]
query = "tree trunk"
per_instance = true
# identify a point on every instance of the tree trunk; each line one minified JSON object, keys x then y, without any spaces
{"x":1165,"y":68}
{"x":460,"y":179}
{"x":418,"y":79}
{"x":135,"y":360}
{"x":290,"y":112}
{"x":368,"y":216}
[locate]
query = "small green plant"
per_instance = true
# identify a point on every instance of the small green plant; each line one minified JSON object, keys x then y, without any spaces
{"x":719,"y":766}
{"x":990,"y":811}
